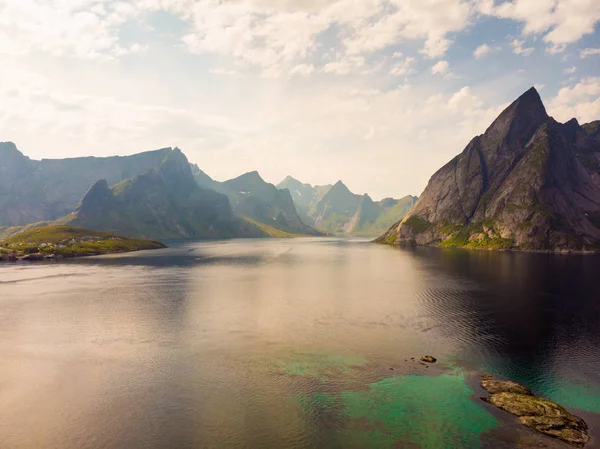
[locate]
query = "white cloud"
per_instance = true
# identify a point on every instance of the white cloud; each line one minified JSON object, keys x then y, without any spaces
{"x":85,"y":29}
{"x":570,"y":70}
{"x":344,"y":65}
{"x":440,"y":67}
{"x":518,"y":48}
{"x":589,"y":52}
{"x":302,"y":69}
{"x":554,"y":49}
{"x":403,"y":68}
{"x":483,"y":50}
{"x":561,"y":22}
{"x":581,"y":100}
{"x":539,"y":86}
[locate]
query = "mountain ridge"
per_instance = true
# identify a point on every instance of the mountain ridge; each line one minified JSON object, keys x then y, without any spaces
{"x":162,"y":203}
{"x":47,"y":189}
{"x":253,"y":198}
{"x":335,"y":209}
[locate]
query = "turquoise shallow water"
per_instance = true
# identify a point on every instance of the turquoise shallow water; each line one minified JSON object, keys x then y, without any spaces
{"x":291,"y":343}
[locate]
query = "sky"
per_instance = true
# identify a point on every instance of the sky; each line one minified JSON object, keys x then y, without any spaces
{"x":377,"y":93}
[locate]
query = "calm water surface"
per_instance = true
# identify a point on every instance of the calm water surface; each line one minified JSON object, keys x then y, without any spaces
{"x":292,"y":343}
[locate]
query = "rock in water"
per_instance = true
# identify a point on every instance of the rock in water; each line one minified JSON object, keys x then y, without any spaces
{"x":528,"y":183}
{"x":428,"y":359}
{"x":536,"y":413}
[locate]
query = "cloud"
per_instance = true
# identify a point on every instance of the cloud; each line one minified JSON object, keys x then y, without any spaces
{"x":570,"y":70}
{"x":70,"y":122}
{"x":403,"y":68}
{"x":86,"y":29}
{"x":302,"y":69}
{"x":518,"y":48}
{"x":561,"y":22}
{"x":440,"y":67}
{"x":581,"y":100}
{"x":586,"y":52}
{"x":344,"y":65}
{"x":484,"y":50}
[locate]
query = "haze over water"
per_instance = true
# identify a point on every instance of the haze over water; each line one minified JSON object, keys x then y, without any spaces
{"x":292,"y":343}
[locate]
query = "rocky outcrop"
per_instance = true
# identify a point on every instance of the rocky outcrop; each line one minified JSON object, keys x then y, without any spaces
{"x":536,"y":413}
{"x":527,"y":183}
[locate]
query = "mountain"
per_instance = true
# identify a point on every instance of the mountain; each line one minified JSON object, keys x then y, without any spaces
{"x":259,"y":202}
{"x":32,"y":191}
{"x":528,"y":183}
{"x":336,"y":209}
{"x":304,"y":196}
{"x":372,"y":218}
{"x":162,"y":203}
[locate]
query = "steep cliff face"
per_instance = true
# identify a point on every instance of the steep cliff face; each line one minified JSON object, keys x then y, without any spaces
{"x":32,"y":191}
{"x":162,"y":203}
{"x":527,"y":183}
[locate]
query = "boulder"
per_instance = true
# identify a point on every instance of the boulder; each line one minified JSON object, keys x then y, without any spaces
{"x":428,"y":359}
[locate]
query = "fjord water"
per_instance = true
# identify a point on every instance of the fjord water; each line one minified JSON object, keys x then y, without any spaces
{"x":292,"y":343}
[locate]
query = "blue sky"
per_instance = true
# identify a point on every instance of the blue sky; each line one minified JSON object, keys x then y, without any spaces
{"x":378,"y":93}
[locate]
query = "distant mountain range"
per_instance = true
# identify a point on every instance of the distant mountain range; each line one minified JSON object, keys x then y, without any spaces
{"x":528,"y":183}
{"x":335,"y":209}
{"x":155,"y":194}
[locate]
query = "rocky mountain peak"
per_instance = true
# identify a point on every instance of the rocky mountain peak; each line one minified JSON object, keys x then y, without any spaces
{"x":340,"y":187}
{"x":517,"y":123}
{"x":10,"y":154}
{"x":96,"y":198}
{"x":176,"y":172}
{"x":251,"y":176}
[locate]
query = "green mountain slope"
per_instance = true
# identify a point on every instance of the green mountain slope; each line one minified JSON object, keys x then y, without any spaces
{"x":336,"y":209}
{"x":163,"y":203}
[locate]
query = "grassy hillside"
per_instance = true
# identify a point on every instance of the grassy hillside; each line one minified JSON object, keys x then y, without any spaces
{"x":67,"y":241}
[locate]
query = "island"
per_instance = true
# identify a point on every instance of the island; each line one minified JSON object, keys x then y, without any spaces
{"x":58,"y":242}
